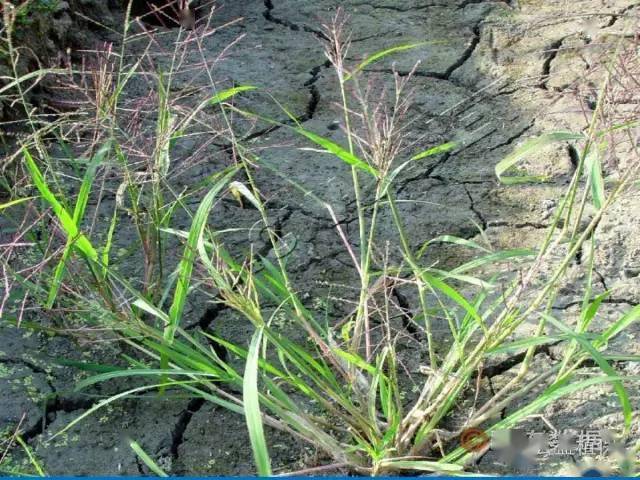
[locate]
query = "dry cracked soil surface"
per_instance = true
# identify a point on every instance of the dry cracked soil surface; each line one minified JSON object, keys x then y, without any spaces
{"x":497,"y":73}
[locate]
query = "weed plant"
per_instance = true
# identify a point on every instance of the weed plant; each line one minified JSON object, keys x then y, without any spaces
{"x":341,"y":390}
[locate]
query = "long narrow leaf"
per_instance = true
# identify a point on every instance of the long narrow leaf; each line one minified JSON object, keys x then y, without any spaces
{"x":593,"y":169}
{"x":109,"y":241}
{"x":185,"y":267}
{"x":383,"y":53}
{"x":78,"y":215}
{"x":338,"y":151}
{"x":148,"y":461}
{"x":251,"y":403}
{"x":619,"y":325}
{"x":494,"y":258}
{"x":454,"y":295}
{"x":420,"y":465}
{"x":137,"y":372}
{"x":625,"y":403}
{"x":107,"y":401}
{"x":81,"y":242}
{"x":32,"y":457}
{"x":550,"y":395}
{"x":438,"y":149}
{"x":530,"y":146}
{"x":226,"y":94}
{"x":388,"y":179}
{"x":14,"y":202}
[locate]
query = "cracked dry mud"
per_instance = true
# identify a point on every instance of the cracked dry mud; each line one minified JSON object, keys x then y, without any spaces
{"x":500,"y":72}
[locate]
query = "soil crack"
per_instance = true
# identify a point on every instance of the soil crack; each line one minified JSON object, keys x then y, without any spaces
{"x":608,"y":301}
{"x":466,"y":54}
{"x":177,"y":436}
{"x":446,"y":75}
{"x":508,"y":363}
{"x":513,"y":138}
{"x":268,"y":15}
{"x":550,"y":55}
{"x":621,"y":14}
{"x":478,"y":214}
{"x":472,"y":2}
{"x":51,"y":406}
{"x":395,"y":8}
{"x":504,"y":223}
{"x":408,"y":322}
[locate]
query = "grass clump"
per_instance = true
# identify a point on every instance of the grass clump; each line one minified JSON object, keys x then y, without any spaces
{"x":342,"y":388}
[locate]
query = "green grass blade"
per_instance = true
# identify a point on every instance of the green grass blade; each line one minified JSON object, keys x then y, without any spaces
{"x":148,"y":461}
{"x":384,"y":53}
{"x":32,"y":458}
{"x":550,"y":395}
{"x":593,"y":169}
{"x":238,"y":189}
{"x":525,"y":343}
{"x":87,"y":182}
{"x":14,"y":202}
{"x":216,"y":400}
{"x":445,"y":275}
{"x":78,"y":215}
{"x":454,"y":295}
{"x":87,"y":366}
{"x":108,"y":401}
{"x":143,"y":304}
{"x":226,"y":94}
{"x":455,"y":240}
{"x":109,"y":242}
{"x":250,"y":398}
{"x":553,"y":393}
{"x":80,"y":241}
{"x":620,"y":126}
{"x":164,"y":127}
{"x":530,"y":146}
{"x":438,"y":149}
{"x":621,"y":324}
{"x":388,"y":180}
{"x":42,"y":72}
{"x":623,"y":396}
{"x":137,"y":372}
{"x":325,"y":143}
{"x":338,"y":151}
{"x":589,"y":313}
{"x":494,"y":258}
{"x":57,"y":276}
{"x":355,"y":360}
{"x":185,"y":267}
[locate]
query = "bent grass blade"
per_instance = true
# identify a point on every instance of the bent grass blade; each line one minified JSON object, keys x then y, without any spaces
{"x":80,"y":241}
{"x":625,"y":403}
{"x":530,"y":146}
{"x":148,"y":461}
{"x":379,"y":55}
{"x":15,"y":202}
{"x":185,"y":267}
{"x":338,"y":151}
{"x":251,"y":401}
{"x":78,"y":215}
{"x":227,"y":94}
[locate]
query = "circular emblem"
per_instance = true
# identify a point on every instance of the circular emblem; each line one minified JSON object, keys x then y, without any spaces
{"x":474,"y":439}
